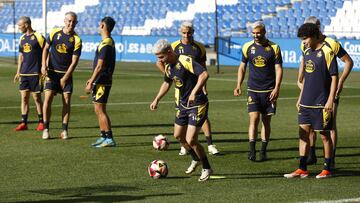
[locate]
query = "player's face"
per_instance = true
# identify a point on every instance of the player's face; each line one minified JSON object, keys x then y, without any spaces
{"x":22,"y":26}
{"x":163,"y":57}
{"x":186,"y":34}
{"x":258,"y":34}
{"x":70,"y":23}
{"x":309,"y":42}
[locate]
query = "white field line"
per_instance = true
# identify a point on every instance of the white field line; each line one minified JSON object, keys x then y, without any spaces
{"x":167,"y":102}
{"x":336,"y":201}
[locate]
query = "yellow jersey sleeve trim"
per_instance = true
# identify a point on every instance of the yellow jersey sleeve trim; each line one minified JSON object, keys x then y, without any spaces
{"x":276,"y":49}
{"x":329,"y":55}
{"x":21,"y":38}
{"x":302,"y":47}
{"x":106,"y":42}
{"x":77,"y":42}
{"x":40,"y":39}
{"x":334,"y":45}
{"x":186,"y":61}
{"x":202,"y":48}
{"x":246,"y":47}
{"x":175,"y":44}
{"x":53,"y":32}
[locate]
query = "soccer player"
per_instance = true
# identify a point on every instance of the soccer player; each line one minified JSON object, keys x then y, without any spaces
{"x":189,"y":47}
{"x":316,"y":97}
{"x":62,"y":50}
{"x":343,"y":56}
{"x":191,"y":102}
{"x":265,"y":76}
{"x":31,"y":44}
{"x":101,"y":80}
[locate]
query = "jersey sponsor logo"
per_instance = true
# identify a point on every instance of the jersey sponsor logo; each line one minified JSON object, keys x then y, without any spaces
{"x":309,"y":66}
{"x":27,"y":48}
{"x":178,"y":82}
{"x":61,"y":48}
{"x":259,"y":61}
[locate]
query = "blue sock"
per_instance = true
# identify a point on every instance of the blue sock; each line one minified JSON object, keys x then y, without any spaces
{"x":327,"y":164}
{"x":302,"y":163}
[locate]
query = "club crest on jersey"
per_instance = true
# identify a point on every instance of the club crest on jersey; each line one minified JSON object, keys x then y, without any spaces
{"x":27,"y":48}
{"x":267,"y":49}
{"x":194,"y":48}
{"x":32,"y":37}
{"x":58,"y":36}
{"x":178,"y":82}
{"x":309,"y":66}
{"x":319,"y":54}
{"x":259,"y":61}
{"x":71,"y":39}
{"x":252,"y":50}
{"x":61,"y":48}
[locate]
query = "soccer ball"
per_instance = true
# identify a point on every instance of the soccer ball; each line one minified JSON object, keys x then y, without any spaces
{"x":160,"y":142}
{"x":158,"y":169}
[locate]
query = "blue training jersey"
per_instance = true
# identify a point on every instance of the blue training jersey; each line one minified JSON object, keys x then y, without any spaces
{"x":105,"y":51}
{"x":319,"y":66}
{"x":31,"y":47}
{"x":62,"y":48}
{"x":185,"y":74}
{"x":262,"y":60}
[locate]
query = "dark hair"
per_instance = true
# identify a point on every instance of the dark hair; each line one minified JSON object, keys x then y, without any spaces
{"x":308,"y":30}
{"x":109,"y":22}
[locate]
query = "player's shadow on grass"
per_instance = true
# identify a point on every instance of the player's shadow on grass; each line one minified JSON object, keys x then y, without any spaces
{"x":89,"y":194}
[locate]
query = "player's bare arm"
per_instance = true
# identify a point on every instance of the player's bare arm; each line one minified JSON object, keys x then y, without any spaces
{"x":347,"y":69}
{"x":99,"y":67}
{"x":199,"y":85}
{"x":160,"y":65}
{"x":240,"y":79}
{"x":301,"y":74}
{"x":164,"y":88}
{"x":74,"y":62}
{"x":279,"y":74}
{"x":330,"y":102}
{"x":20,"y":61}
{"x":44,"y":61}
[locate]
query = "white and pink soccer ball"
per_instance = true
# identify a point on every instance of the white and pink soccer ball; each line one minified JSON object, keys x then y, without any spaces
{"x":158,"y":169}
{"x":160,"y":142}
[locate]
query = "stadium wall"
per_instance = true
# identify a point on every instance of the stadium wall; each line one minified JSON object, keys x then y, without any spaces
{"x":138,"y":48}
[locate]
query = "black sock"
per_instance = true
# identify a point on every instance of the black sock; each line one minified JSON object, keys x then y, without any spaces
{"x":65,"y":126}
{"x":109,"y":134}
{"x":333,"y":155}
{"x":302,"y":164}
{"x":252,"y":144}
{"x":209,"y":140}
{"x":102,"y":134}
{"x":46,"y":125}
{"x":193,"y":155}
{"x":312,"y":151}
{"x":264,"y":145}
{"x":24,"y":118}
{"x":205,"y":163}
{"x":327,"y":165}
{"x":40,"y":116}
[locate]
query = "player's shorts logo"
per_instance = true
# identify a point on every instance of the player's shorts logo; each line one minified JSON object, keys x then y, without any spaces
{"x":27,"y":48}
{"x":61,"y":48}
{"x":259,"y":62}
{"x":250,"y":100}
{"x":309,"y":66}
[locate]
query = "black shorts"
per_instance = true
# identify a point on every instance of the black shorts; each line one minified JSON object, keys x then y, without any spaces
{"x":100,"y":93}
{"x":31,"y":83}
{"x":318,"y":118}
{"x":259,"y":102}
{"x":53,"y":83}
{"x":195,"y":115}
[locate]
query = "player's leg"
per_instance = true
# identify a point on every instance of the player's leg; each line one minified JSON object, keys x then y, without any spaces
{"x":48,"y":99}
{"x":206,"y":128}
{"x":312,"y":159}
{"x":106,"y":139}
{"x":253,"y":131}
{"x":302,"y":171}
{"x":334,"y":132}
{"x":192,"y":135}
{"x":39,"y":106}
{"x":265,"y":135}
{"x":328,"y":150}
{"x":66,"y":101}
{"x":25,"y":94}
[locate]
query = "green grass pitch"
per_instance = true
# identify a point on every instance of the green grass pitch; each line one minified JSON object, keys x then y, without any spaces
{"x":36,"y":170}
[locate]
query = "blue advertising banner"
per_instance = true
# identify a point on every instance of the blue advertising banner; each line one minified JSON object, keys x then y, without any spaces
{"x":138,"y":48}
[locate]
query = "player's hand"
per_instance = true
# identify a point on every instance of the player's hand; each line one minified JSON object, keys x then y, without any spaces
{"x":44,"y":70}
{"x":88,"y":87}
{"x":62,"y":83}
{"x":274,"y":95}
{"x":191,"y":100}
{"x":339,"y":88}
{"x":237,"y":91}
{"x":16,"y":77}
{"x":329,"y":106}
{"x":154,"y":104}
